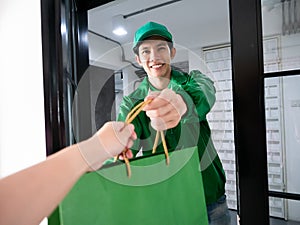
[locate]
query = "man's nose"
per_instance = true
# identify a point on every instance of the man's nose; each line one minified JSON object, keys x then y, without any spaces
{"x":154,"y":55}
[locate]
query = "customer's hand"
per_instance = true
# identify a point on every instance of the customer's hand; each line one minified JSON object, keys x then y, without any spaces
{"x":165,"y":110}
{"x":115,"y":136}
{"x":109,"y":141}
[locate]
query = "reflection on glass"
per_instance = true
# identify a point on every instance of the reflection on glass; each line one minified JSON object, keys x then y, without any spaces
{"x":281,"y":35}
{"x":105,"y":50}
{"x":218,"y":60}
{"x":205,"y":29}
{"x":281,"y":25}
{"x":282,"y":111}
{"x":292,"y":206}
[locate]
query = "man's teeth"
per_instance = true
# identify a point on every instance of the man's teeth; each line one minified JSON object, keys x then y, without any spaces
{"x":156,"y":66}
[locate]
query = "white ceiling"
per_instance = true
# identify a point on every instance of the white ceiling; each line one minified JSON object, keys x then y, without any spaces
{"x":193,"y":23}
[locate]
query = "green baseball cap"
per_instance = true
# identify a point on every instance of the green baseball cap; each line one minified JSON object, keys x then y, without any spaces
{"x":151,"y":29}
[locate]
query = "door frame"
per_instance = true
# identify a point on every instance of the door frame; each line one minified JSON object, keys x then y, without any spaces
{"x":66,"y":59}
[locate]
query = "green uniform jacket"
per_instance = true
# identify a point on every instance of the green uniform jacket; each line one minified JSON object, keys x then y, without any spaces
{"x":198,"y":92}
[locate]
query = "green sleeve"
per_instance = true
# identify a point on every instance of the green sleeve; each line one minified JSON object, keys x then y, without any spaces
{"x":125,"y":108}
{"x":202,"y":92}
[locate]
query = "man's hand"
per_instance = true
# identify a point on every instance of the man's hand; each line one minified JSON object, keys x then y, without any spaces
{"x":165,"y":110}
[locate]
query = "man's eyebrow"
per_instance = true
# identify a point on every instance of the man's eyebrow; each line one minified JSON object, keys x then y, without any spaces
{"x":144,"y":47}
{"x":161,"y":44}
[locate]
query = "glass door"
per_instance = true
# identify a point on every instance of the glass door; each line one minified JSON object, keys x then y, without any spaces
{"x":249,"y":48}
{"x":281,"y":27}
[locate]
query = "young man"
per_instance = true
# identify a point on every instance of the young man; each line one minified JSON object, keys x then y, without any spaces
{"x":180,"y":103}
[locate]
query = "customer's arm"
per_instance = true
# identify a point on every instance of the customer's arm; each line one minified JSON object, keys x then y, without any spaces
{"x":33,"y":193}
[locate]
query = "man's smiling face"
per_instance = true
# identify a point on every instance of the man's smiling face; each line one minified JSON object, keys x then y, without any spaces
{"x":155,"y":56}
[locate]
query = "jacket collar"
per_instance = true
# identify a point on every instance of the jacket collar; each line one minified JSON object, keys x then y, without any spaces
{"x":177,"y":78}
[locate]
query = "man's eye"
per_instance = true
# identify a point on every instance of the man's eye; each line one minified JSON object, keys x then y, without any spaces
{"x":145,"y":52}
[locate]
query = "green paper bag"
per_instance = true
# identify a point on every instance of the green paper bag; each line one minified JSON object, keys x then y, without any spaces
{"x":156,"y":194}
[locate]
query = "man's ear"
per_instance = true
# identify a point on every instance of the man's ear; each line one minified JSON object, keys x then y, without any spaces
{"x":138,"y":60}
{"x":173,"y":53}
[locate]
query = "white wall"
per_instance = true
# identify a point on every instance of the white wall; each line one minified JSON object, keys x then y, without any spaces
{"x":292,"y":138}
{"x":22,"y":132}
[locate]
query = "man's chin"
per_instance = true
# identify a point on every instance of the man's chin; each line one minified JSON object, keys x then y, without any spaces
{"x":156,"y":75}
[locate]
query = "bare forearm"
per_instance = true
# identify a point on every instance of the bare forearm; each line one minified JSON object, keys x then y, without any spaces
{"x":39,"y":189}
{"x":30,"y":195}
